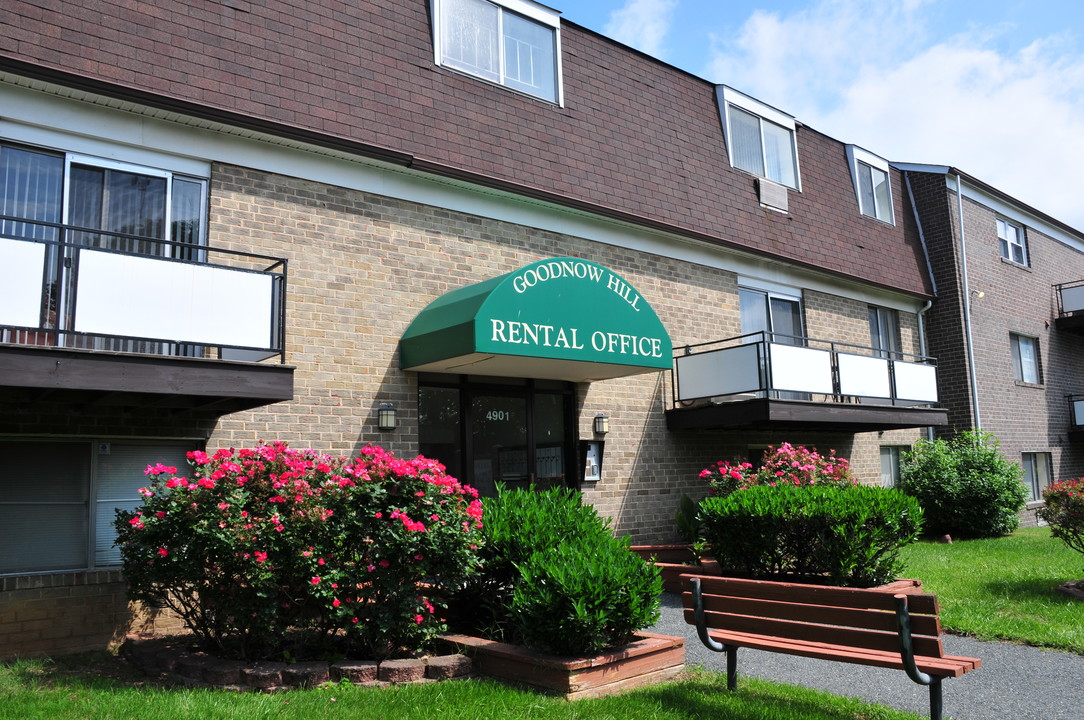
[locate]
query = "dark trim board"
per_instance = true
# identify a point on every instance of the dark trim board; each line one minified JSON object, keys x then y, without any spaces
{"x":116,"y":379}
{"x":767,"y":414}
{"x":1070,"y":323}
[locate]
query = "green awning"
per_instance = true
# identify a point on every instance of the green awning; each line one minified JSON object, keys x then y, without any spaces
{"x":558,"y":319}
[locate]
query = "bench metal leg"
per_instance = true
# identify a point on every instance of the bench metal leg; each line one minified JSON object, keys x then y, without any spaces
{"x":731,"y":667}
{"x":935,"y":699}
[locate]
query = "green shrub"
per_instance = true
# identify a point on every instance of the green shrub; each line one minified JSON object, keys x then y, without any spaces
{"x":843,"y":535}
{"x":587,"y":594}
{"x":554,"y":577}
{"x":1064,"y":512}
{"x":687,"y":519}
{"x":272,"y":552}
{"x":965,"y":486}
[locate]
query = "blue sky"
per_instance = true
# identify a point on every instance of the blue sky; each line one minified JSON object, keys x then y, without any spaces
{"x":992,"y":87}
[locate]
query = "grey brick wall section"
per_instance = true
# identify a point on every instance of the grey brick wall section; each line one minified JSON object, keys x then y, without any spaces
{"x":1016,"y":299}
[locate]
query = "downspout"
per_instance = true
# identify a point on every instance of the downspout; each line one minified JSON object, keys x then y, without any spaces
{"x":933,"y":280}
{"x":967,"y":303}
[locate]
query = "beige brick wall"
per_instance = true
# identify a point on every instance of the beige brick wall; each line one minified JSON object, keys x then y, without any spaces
{"x":61,"y":613}
{"x":362,"y":266}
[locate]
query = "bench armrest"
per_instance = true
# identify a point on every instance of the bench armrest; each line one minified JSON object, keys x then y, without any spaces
{"x":907,"y":653}
{"x":701,"y":626}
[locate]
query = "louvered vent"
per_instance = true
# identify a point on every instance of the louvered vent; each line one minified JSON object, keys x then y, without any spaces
{"x":772,"y":194}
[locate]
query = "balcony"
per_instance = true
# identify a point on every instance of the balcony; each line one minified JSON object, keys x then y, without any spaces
{"x":1076,"y":418}
{"x":765,"y":381}
{"x":1070,"y":307}
{"x":96,"y":318}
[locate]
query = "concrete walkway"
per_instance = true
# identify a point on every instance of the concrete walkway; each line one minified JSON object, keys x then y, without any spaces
{"x":1015,"y":682}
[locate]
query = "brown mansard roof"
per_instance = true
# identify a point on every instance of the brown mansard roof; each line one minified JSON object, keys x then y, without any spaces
{"x":636,"y":139}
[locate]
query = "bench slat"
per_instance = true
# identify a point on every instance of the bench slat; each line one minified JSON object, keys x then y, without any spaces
{"x":884,"y":620}
{"x":919,"y":603}
{"x":817,"y":633}
{"x":942,"y":667}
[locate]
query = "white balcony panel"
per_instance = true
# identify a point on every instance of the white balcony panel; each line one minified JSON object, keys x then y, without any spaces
{"x":1072,"y":299}
{"x":146,"y":297}
{"x":801,"y":369}
{"x":864,"y":376}
{"x":20,"y":292}
{"x":719,"y":372}
{"x":1078,"y":412}
{"x":916,"y":382}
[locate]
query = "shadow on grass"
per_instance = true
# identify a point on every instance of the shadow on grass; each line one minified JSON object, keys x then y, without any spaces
{"x":704,"y":695}
{"x":100,"y":670}
{"x":1031,"y":590}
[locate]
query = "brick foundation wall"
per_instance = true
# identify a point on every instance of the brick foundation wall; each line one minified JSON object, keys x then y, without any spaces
{"x":59,"y":613}
{"x":62,"y":613}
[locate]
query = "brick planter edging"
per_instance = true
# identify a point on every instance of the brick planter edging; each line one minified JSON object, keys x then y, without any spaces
{"x":650,"y":658}
{"x":170,"y":658}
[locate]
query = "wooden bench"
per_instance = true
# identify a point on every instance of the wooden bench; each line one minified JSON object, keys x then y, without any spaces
{"x":867,"y":627}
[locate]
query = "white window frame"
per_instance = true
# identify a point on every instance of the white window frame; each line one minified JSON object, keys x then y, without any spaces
{"x":1025,"y":369}
{"x":773,"y":291}
{"x":892,"y":455}
{"x":70,"y":158}
{"x":856,"y":159}
{"x":1038,"y":470}
{"x":1012,"y":245}
{"x":729,"y":98}
{"x":885,"y":335}
{"x":531,"y":11}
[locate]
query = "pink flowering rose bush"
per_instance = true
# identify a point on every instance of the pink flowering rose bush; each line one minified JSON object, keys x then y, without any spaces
{"x":787,"y":464}
{"x":1064,"y":511}
{"x":272,"y":552}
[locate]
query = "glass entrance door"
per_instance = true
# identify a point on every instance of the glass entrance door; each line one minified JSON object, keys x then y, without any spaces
{"x":513,"y":433}
{"x":499,"y":442}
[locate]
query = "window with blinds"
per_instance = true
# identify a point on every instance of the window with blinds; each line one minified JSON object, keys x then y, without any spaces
{"x":760,"y":139}
{"x":58,"y":500}
{"x":514,"y":43}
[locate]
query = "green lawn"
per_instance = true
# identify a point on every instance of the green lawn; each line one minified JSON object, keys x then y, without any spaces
{"x":40,"y":690}
{"x":1004,"y":588}
{"x":994,"y":589}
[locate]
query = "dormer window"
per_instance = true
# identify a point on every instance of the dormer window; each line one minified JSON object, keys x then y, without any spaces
{"x":759,"y":138}
{"x":515,"y":43}
{"x":872,"y":184}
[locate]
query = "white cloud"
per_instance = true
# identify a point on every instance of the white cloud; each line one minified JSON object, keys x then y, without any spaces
{"x":642,"y":24}
{"x":870,"y":74}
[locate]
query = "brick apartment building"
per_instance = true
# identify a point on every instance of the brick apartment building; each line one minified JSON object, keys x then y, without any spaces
{"x":544,"y":256}
{"x":1007,"y":324}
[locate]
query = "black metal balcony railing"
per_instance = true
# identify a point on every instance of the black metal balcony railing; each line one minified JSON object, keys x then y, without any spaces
{"x":1076,"y":412}
{"x":1070,"y":298}
{"x":784,"y":367}
{"x":82,"y":288}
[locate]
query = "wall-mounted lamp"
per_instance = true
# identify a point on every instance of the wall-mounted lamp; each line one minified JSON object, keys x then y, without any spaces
{"x":602,"y":424}
{"x":386,"y":416}
{"x":978,"y":294}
